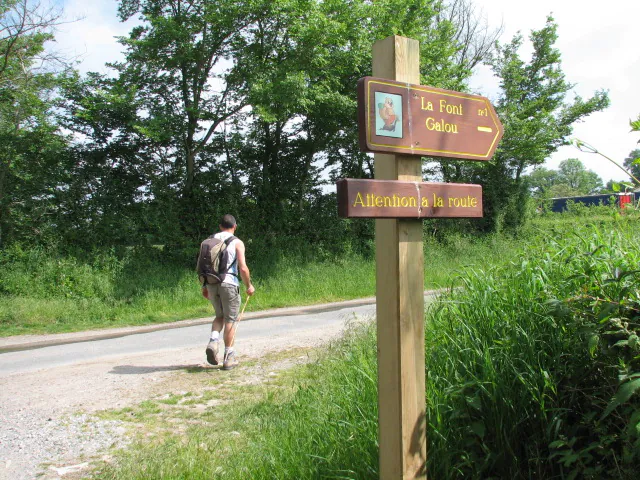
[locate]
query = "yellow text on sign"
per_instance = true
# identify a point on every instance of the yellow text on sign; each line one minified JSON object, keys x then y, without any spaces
{"x":371,"y":200}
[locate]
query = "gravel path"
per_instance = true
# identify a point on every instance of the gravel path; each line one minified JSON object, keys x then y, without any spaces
{"x":48,"y":426}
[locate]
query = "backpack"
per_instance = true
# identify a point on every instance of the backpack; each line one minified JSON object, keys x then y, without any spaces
{"x":213,"y":259}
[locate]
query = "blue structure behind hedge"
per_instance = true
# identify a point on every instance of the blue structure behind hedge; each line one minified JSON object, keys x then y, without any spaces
{"x":619,"y":199}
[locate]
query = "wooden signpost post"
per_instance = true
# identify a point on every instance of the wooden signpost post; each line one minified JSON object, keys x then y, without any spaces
{"x":401,"y":121}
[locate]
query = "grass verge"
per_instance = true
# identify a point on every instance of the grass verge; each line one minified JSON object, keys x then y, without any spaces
{"x":141,"y":287}
{"x":260,"y":422}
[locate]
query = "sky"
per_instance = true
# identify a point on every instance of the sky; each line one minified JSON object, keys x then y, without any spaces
{"x":599,"y":49}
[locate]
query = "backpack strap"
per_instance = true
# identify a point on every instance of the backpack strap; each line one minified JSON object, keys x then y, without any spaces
{"x":235,"y":260}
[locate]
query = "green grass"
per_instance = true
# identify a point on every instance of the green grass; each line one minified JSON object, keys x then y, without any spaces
{"x":524,"y":360}
{"x":533,"y":371}
{"x":43,"y":292}
{"x":288,"y":426}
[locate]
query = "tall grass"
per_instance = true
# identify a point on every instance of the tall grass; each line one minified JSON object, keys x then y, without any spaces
{"x":42,"y":291}
{"x":524,"y":360}
{"x":533,"y":371}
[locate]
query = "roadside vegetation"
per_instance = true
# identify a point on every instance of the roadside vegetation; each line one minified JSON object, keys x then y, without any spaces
{"x":543,"y":347}
{"x":45,"y":291}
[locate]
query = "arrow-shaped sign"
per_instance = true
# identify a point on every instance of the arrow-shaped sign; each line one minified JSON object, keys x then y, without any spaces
{"x":396,"y":117}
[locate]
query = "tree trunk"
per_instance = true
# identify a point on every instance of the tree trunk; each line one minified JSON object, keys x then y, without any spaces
{"x":188,"y":185}
{"x":268,"y":198}
{"x":2,"y":209}
{"x":306,"y":174}
{"x":5,"y":164}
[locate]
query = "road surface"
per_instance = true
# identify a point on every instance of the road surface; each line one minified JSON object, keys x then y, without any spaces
{"x":49,"y":394}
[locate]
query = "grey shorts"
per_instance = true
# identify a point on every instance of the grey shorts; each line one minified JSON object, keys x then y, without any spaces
{"x":225,"y":299}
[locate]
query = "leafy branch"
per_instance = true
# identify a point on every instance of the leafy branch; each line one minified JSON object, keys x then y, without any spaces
{"x":587,"y":148}
{"x":635,"y":125}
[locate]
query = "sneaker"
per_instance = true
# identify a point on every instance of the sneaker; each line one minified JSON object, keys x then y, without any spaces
{"x":212,"y":352}
{"x":230,"y":362}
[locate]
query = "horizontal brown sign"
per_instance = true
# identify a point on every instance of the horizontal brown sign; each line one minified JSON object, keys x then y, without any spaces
{"x":398,"y":199}
{"x":397,"y":117}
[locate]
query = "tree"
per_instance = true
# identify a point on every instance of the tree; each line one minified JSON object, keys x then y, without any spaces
{"x":541,"y":180}
{"x":303,"y":91}
{"x":473,"y":38}
{"x":114,"y":167}
{"x":632,"y":162}
{"x":248,"y":103}
{"x":574,"y":174}
{"x":570,"y":180}
{"x":32,"y":144}
{"x":611,"y":186}
{"x":182,"y":65}
{"x":537,"y":120}
{"x":24,"y":24}
{"x":561,"y":190}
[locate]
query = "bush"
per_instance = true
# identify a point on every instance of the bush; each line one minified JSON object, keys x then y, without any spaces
{"x":42,"y":272}
{"x":544,"y":350}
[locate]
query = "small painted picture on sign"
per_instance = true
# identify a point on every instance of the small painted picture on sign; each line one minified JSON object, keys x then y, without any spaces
{"x":389,"y":117}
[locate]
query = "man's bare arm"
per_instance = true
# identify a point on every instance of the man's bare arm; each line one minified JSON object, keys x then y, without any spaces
{"x":243,"y":268}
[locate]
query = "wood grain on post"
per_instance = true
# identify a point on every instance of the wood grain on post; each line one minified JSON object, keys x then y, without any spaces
{"x":399,"y":298}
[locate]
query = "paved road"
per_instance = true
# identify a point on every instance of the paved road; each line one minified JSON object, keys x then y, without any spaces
{"x":50,"y":385}
{"x":276,"y":327}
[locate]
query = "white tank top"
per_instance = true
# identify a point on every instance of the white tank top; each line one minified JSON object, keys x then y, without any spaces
{"x":231,"y":249}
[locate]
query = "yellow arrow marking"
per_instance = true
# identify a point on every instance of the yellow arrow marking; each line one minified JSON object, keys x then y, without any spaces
{"x":485,"y":129}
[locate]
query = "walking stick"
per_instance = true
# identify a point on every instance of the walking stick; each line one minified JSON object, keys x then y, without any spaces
{"x":235,"y":328}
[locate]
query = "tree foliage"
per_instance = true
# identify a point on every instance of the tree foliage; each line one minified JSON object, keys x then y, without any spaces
{"x":571,"y":179}
{"x":632,"y":162}
{"x":32,"y":144}
{"x":577,"y":177}
{"x":250,"y":107}
{"x":242,"y":106}
{"x":537,"y":119}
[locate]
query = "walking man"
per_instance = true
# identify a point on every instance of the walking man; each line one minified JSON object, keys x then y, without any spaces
{"x":225,"y":296}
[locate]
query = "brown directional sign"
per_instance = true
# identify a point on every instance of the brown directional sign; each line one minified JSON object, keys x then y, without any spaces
{"x":398,"y":199}
{"x":396,"y":117}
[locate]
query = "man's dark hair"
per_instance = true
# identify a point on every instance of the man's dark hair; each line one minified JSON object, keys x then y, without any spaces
{"x":227,"y":221}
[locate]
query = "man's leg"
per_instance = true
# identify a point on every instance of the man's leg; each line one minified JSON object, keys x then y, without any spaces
{"x":217,"y":325}
{"x":230,"y":297}
{"x":229,"y":334}
{"x":229,"y":361}
{"x":213,"y":347}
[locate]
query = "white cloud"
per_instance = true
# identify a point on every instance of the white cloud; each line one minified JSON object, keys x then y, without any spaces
{"x":91,"y":34}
